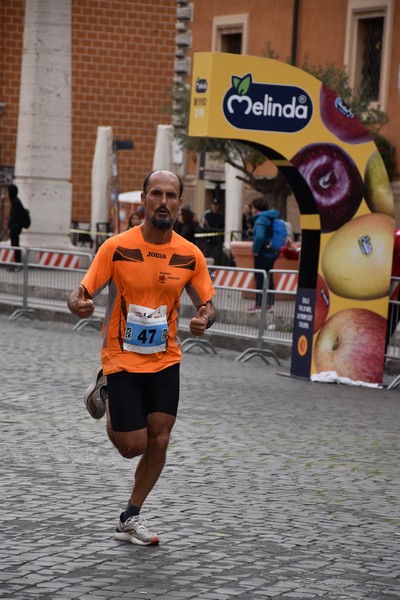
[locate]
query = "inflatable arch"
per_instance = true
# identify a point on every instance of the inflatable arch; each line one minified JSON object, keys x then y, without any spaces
{"x":343,"y":193}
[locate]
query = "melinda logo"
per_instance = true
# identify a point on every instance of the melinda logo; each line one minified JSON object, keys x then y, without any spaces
{"x":201,"y":85}
{"x":266,"y":107}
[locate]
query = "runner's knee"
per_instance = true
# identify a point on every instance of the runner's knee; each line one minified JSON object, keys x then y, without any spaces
{"x":159,"y":442}
{"x":130,"y":444}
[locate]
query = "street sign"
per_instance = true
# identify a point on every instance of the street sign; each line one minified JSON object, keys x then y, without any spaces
{"x":6,"y":175}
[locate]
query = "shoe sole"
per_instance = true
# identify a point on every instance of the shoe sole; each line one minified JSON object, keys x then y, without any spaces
{"x":127,"y":537}
{"x":89,"y":391}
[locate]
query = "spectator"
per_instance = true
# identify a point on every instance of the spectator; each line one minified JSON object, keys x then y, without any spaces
{"x":186,"y":223}
{"x":247,"y":222}
{"x":134,"y":219}
{"x":214,"y":221}
{"x":15,"y":222}
{"x":140,"y":212}
{"x":264,"y":256}
{"x":291,"y":249}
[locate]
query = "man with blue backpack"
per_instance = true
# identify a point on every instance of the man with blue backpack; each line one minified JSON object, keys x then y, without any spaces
{"x":269,"y":235}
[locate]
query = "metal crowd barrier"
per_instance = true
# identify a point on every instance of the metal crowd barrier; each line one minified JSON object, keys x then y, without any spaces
{"x":393,"y":333}
{"x":393,"y":337}
{"x":42,"y":279}
{"x":279,"y":327}
{"x":235,"y":299}
{"x":235,"y":295}
{"x":13,"y":276}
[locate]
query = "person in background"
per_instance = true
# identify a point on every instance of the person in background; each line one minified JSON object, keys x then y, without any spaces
{"x":213,"y":221}
{"x":140,"y":212}
{"x":146,"y":268}
{"x":264,"y":257}
{"x":186,"y":224}
{"x":134,"y":219}
{"x":247,"y":222}
{"x":291,"y":249}
{"x":15,"y":220}
{"x":289,"y":230}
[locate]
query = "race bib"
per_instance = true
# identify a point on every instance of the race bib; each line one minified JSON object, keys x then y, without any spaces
{"x":146,"y":330}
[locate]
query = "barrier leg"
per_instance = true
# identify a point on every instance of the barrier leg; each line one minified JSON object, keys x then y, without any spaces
{"x":24,"y":312}
{"x":261,"y":352}
{"x":95,"y":322}
{"x":395,"y":383}
{"x":189,"y":343}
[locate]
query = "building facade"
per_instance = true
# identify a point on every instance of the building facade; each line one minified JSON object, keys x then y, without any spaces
{"x":126,"y":54}
{"x":360,"y":35}
{"x":122,"y":57}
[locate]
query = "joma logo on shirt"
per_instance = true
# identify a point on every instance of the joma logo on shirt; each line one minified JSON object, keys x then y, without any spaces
{"x":156,"y":255}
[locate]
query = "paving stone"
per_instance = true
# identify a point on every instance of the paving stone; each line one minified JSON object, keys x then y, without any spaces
{"x":274,"y":487}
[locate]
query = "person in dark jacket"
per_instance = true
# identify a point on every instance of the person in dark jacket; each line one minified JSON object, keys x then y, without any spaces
{"x":264,"y":258}
{"x":186,"y":223}
{"x":214,"y":221}
{"x":15,"y":219}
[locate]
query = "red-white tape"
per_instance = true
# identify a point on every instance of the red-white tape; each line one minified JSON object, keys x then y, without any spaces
{"x":7,"y":255}
{"x":57,"y":259}
{"x":285,"y":282}
{"x":238,"y":279}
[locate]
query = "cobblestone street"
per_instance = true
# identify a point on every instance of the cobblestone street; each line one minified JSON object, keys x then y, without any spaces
{"x":274,"y":487}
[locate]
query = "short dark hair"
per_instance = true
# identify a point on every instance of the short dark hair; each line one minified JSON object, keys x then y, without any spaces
{"x":148,"y":177}
{"x":260,"y":203}
{"x":12,"y":191}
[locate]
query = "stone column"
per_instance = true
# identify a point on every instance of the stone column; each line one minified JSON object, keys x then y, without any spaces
{"x":43,"y":155}
{"x":233,"y":203}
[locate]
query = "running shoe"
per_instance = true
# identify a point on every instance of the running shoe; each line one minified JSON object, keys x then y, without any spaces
{"x":135,"y":530}
{"x":253,"y":309}
{"x":96,"y":395}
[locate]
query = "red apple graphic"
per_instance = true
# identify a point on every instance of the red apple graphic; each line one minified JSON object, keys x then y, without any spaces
{"x":352,"y":343}
{"x":340,"y":119}
{"x":334,"y":180}
{"x":321,"y":303}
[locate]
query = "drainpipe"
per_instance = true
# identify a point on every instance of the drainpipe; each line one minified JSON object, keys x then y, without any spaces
{"x":293,"y":55}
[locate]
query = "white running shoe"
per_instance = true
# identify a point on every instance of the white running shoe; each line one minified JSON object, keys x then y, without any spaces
{"x":96,"y":395}
{"x":135,"y":530}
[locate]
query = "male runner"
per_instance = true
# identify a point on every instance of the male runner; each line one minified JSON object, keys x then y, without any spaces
{"x":146,"y":269}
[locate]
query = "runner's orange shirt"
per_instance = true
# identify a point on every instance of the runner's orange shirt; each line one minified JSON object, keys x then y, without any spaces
{"x":145,"y":285}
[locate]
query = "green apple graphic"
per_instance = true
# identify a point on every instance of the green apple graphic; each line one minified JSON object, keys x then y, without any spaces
{"x":378,"y":193}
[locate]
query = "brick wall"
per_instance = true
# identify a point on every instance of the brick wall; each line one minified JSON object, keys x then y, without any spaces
{"x":122,"y":73}
{"x":11,"y":36}
{"x":123,"y":55}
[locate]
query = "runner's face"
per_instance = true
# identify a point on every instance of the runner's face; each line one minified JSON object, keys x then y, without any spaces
{"x":162,"y":200}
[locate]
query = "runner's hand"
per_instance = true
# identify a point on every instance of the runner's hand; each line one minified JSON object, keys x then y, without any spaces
{"x":199,"y":323}
{"x":79,"y":304}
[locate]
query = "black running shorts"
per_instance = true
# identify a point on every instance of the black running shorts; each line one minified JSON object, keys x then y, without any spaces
{"x":133,"y":396}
